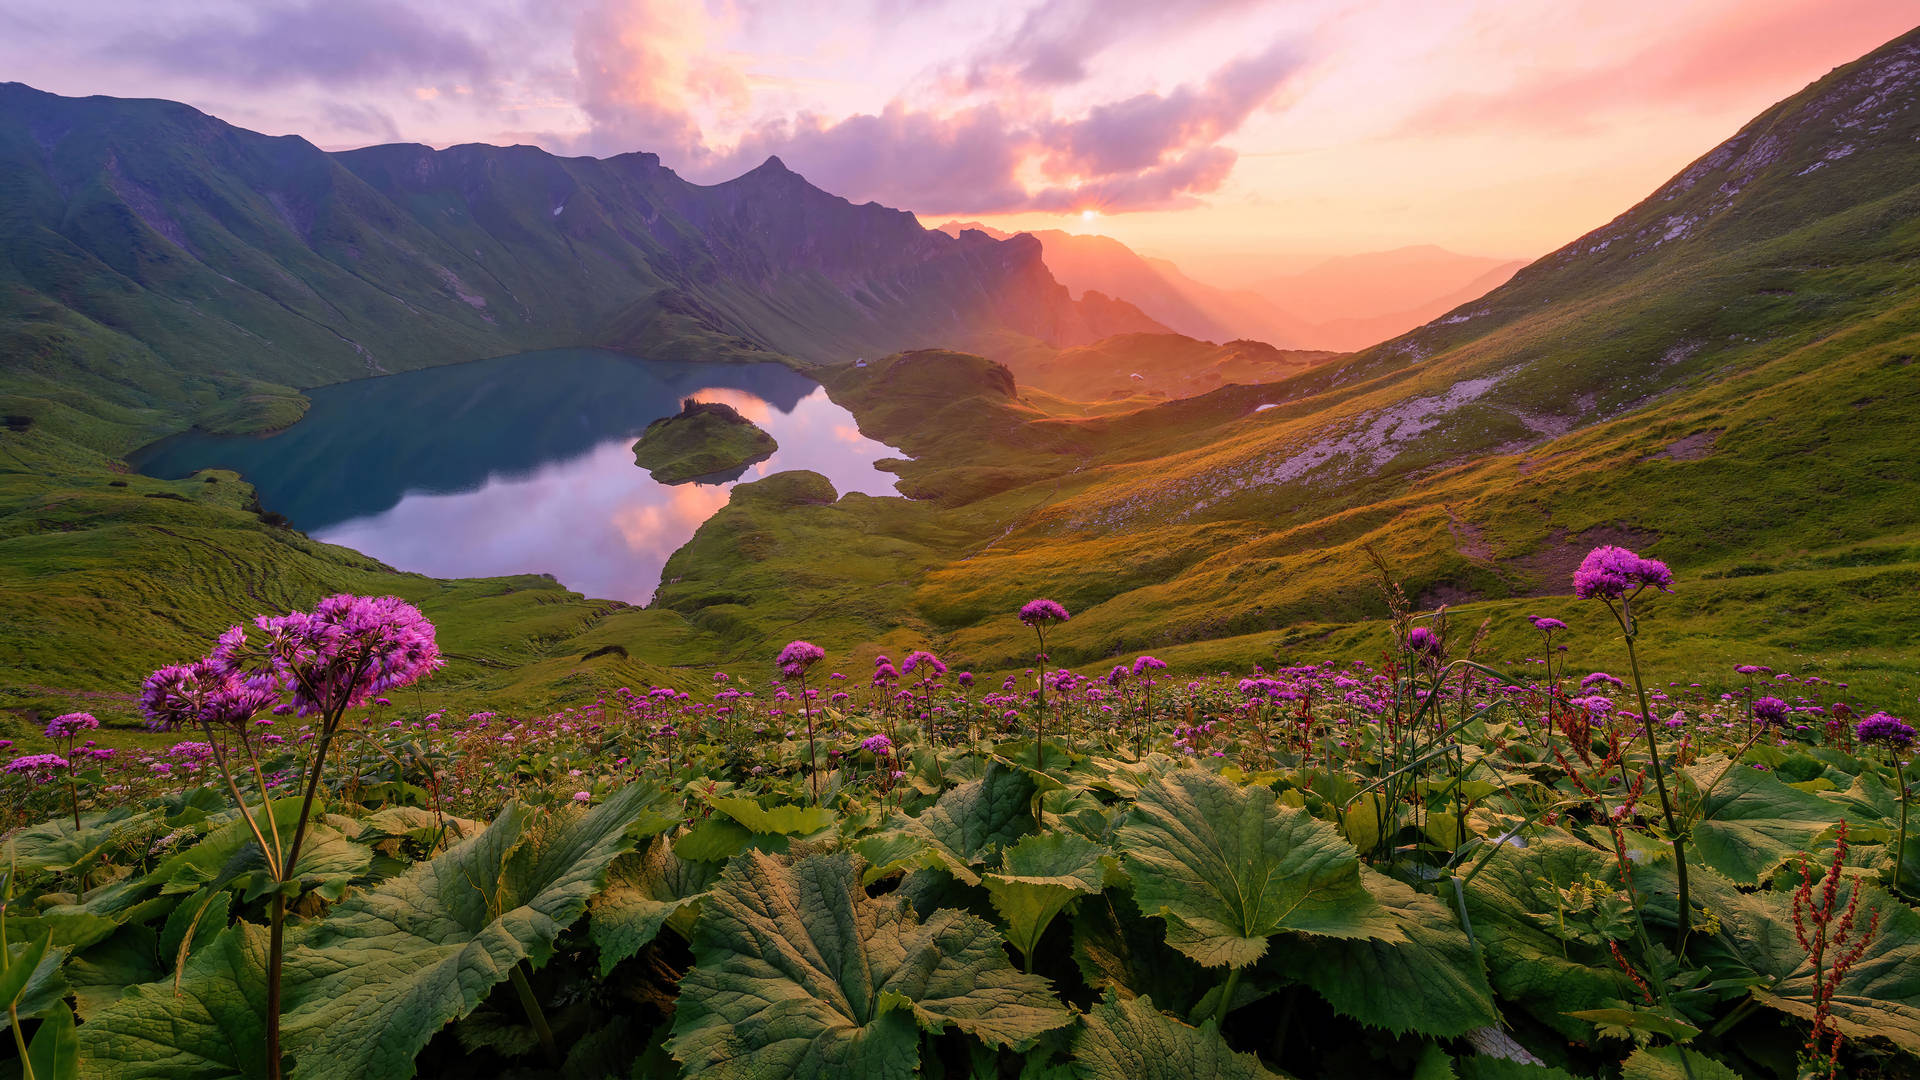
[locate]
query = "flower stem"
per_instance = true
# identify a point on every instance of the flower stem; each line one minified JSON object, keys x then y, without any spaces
{"x":1660,"y":782}
{"x":535,"y":1015}
{"x":1900,"y":852}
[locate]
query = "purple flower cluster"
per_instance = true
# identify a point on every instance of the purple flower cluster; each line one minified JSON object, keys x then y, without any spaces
{"x":1144,"y":664}
{"x":1422,"y":641}
{"x":919,"y":658}
{"x":1546,"y":624}
{"x":1610,"y":573}
{"x":1770,"y":710}
{"x":878,"y":745}
{"x":67,"y":725}
{"x":37,"y":764}
{"x":1035,"y":612}
{"x":798,"y":656}
{"x":346,"y":651}
{"x":340,"y":655}
{"x":1885,"y":730}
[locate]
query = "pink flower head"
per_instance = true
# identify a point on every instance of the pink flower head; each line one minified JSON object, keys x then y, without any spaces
{"x":1036,"y":612}
{"x":878,"y":745}
{"x":1889,"y":730}
{"x":1546,"y":624}
{"x":67,"y":725}
{"x":1611,"y":573}
{"x":1422,"y":641}
{"x":38,"y":764}
{"x":1770,"y":710}
{"x":921,"y":658}
{"x":1145,"y":664}
{"x":798,"y":656}
{"x":349,"y":649}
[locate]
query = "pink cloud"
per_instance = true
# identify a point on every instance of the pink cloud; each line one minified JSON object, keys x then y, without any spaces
{"x":1762,"y":45}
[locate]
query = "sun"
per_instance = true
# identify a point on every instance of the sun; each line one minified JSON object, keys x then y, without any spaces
{"x":1089,"y":215}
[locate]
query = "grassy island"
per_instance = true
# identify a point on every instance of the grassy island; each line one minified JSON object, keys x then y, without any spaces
{"x":705,"y":438}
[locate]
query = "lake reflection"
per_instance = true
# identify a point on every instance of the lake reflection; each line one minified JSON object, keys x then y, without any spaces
{"x":523,"y":463}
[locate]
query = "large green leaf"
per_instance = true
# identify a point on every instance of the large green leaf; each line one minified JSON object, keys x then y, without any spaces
{"x":1541,"y":914}
{"x":230,"y":854}
{"x":102,"y":972}
{"x":643,"y":894}
{"x":1229,"y":867}
{"x":1041,"y":875}
{"x":1878,"y":996}
{"x":212,"y":1028}
{"x":1129,"y":1039}
{"x":798,"y":973}
{"x":59,"y":846}
{"x":970,"y":824}
{"x":775,"y":820}
{"x":55,"y":1052}
{"x":32,"y":982}
{"x":1123,"y":953}
{"x":379,"y":976}
{"x":1666,"y":1063}
{"x":1747,"y":822}
{"x":1432,"y":984}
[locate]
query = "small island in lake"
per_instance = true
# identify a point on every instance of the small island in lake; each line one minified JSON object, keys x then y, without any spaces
{"x":704,"y":439}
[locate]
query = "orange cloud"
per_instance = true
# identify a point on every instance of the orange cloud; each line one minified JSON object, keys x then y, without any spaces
{"x":655,"y":529}
{"x":745,"y":402}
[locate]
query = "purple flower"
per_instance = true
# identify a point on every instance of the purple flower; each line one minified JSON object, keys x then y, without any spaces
{"x":1884,"y":729}
{"x":965,"y":678}
{"x":191,"y":751}
{"x":67,"y":725}
{"x":1148,"y":663}
{"x":1770,"y":710}
{"x":1601,"y":678}
{"x":1545,"y":624}
{"x":1036,"y":612}
{"x":921,"y":658}
{"x":1753,"y":669}
{"x":798,"y":656}
{"x":1423,"y":641}
{"x":1611,"y":573}
{"x":37,"y":763}
{"x":878,"y":745}
{"x":347,"y":650}
{"x":174,"y":696}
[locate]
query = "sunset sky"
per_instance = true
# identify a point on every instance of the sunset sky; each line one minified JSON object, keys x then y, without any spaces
{"x":1220,"y":134}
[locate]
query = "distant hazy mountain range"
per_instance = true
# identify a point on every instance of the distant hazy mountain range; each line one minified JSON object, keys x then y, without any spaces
{"x":1342,"y":304}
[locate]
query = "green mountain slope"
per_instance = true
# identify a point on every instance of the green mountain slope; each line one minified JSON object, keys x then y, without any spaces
{"x":1724,"y":375}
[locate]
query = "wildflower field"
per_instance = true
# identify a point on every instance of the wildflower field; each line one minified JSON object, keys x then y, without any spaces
{"x":1426,"y":862}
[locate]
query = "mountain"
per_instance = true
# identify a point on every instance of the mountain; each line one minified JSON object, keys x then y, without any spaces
{"x":1369,"y":324}
{"x":1723,"y":376}
{"x":182,"y":260}
{"x":1147,"y":366}
{"x":1339,"y":305}
{"x":1157,"y":287}
{"x":1359,"y":300}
